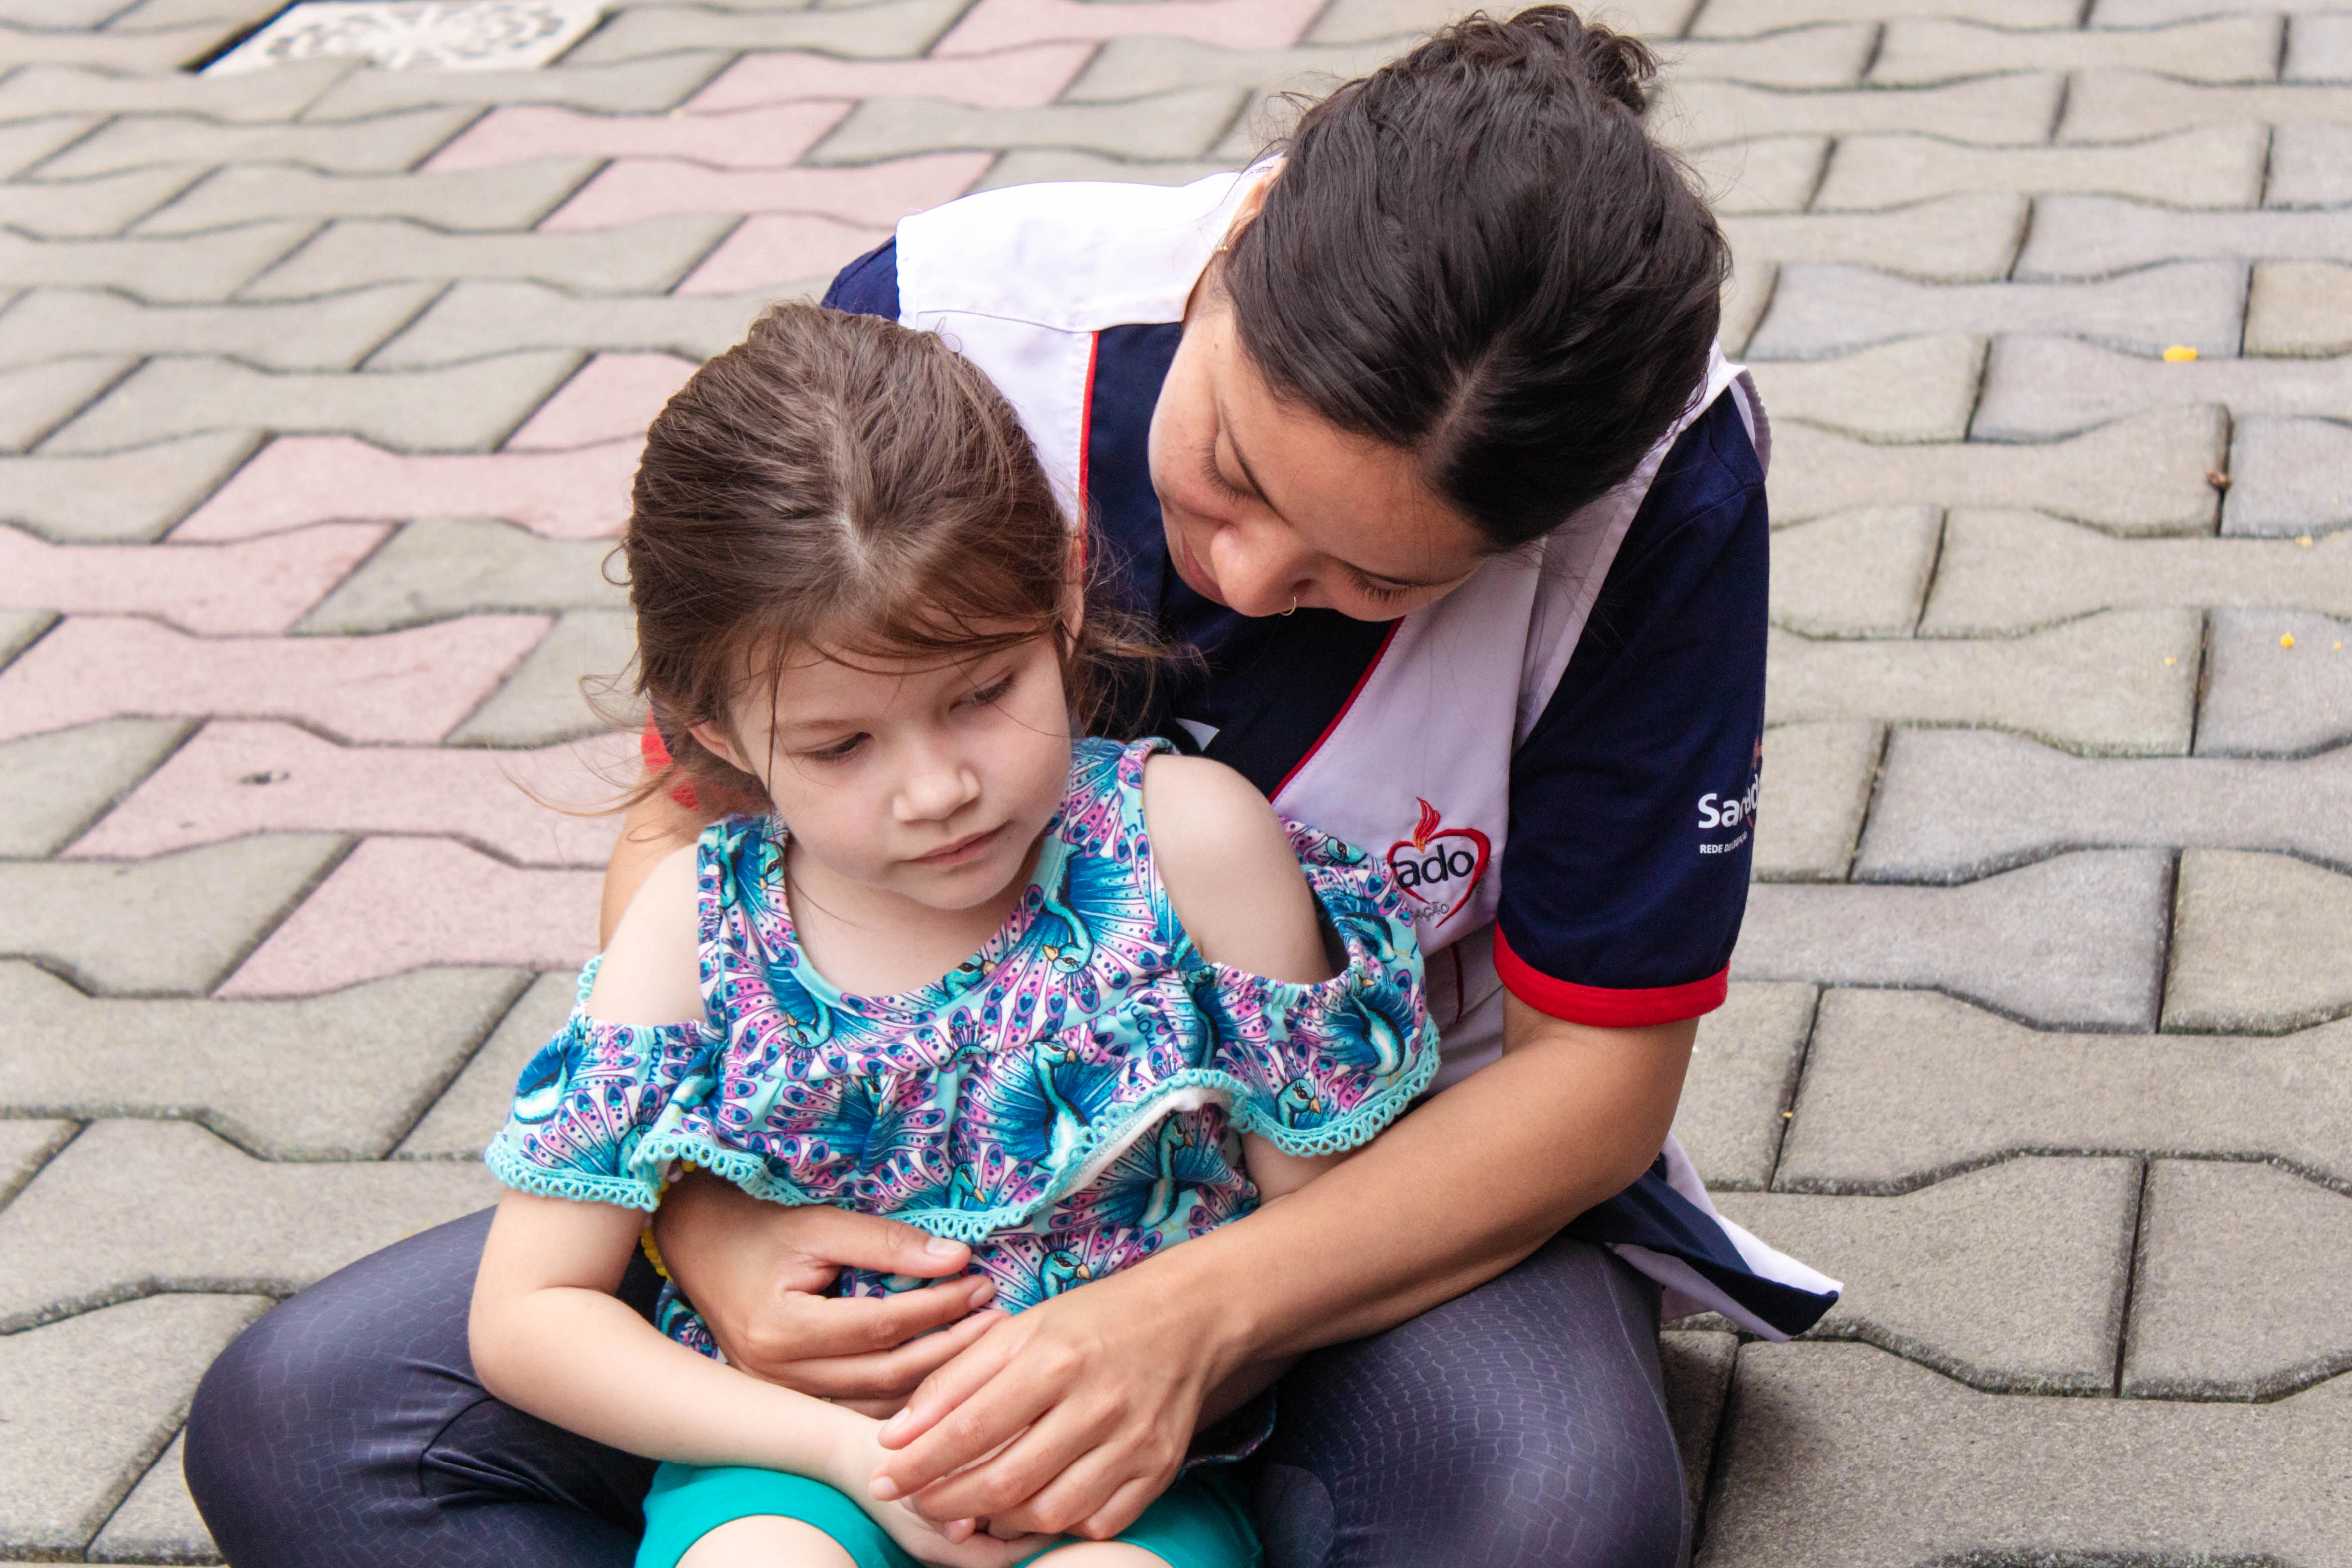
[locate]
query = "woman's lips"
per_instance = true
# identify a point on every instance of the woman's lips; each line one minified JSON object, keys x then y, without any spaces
{"x":962,"y":850}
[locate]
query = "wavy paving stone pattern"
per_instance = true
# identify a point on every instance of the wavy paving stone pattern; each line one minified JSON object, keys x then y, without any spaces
{"x":321,"y":387}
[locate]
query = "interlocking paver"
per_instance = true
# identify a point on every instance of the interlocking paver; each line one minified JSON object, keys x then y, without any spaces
{"x":462,"y":407}
{"x":613,"y":396}
{"x":336,"y":1077}
{"x":1825,"y":308}
{"x":53,"y":786}
{"x":470,"y":1111}
{"x":383,"y":145}
{"x":1865,"y":1122}
{"x":2227,"y":1304}
{"x":254,"y":587}
{"x":1009,"y":78}
{"x":2218,"y":166}
{"x":1776,"y":174}
{"x":744,"y":139}
{"x":301,"y":479}
{"x":796,"y":254}
{"x":1855,"y":574}
{"x":883,"y":28}
{"x":1183,"y":123}
{"x":1240,"y":24}
{"x":236,"y":777}
{"x":2262,"y":943}
{"x":1965,"y":238}
{"x":1361,"y":21}
{"x":2076,"y":942}
{"x":637,"y":188}
{"x":254,"y":96}
{"x":331,"y":333}
{"x":92,"y":1401}
{"x":632,"y":87}
{"x":2161,"y":13}
{"x":1133,"y":67}
{"x":158,"y":1522}
{"x":102,"y":205}
{"x":648,"y":256}
{"x":1845,"y":1457}
{"x":209,"y":266}
{"x":2288,"y":476}
{"x":403,"y":904}
{"x":1817,"y":782}
{"x":2083,"y":236}
{"x":19,"y":629}
{"x":37,"y":399}
{"x":404,"y":685}
{"x":2038,"y":387}
{"x":1696,"y":1364}
{"x":28,"y":141}
{"x":2003,"y":111}
{"x":1037,"y":166}
{"x":511,"y":196}
{"x":1915,"y":50}
{"x":1833,"y":53}
{"x":2300,"y":307}
{"x":25,"y":1147}
{"x":558,"y":692}
{"x":2143,"y":474}
{"x":1958,"y":804}
{"x":174,"y":924}
{"x":2308,"y":166}
{"x":2277,"y":682}
{"x":1735,"y":19}
{"x":1935,"y":1275}
{"x":1914,"y":388}
{"x":189,"y":1212}
{"x":1742,"y":1073}
{"x":133,"y":495}
{"x":474,"y":319}
{"x":2320,"y":49}
{"x":437,"y":567}
{"x":52,"y":43}
{"x":2122,"y":106}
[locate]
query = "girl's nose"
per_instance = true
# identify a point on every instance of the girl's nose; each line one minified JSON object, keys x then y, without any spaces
{"x":1258,"y":571}
{"x":936,"y":790}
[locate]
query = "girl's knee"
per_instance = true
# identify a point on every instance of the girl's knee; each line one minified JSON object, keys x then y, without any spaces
{"x":1099,"y":1554}
{"x":767,"y":1541}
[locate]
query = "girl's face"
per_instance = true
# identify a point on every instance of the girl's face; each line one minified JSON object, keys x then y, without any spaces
{"x":922,"y":781}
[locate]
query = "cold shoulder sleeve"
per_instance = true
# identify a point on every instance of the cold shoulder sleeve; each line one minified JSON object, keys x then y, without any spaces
{"x":592,"y":1097}
{"x":1322,"y":1068}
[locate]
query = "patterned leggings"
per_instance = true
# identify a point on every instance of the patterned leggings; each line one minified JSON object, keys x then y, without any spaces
{"x":1521,"y":1425}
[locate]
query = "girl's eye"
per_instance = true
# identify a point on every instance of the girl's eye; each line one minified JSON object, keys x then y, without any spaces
{"x":991,"y":693}
{"x":839,"y":751}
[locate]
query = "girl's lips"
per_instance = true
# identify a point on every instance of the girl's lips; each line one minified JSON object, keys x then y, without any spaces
{"x":962,"y":850}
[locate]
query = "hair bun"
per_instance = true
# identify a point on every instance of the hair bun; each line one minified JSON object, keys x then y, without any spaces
{"x":1617,"y":65}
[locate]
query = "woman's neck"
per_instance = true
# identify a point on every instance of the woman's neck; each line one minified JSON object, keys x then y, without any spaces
{"x":873,"y":942}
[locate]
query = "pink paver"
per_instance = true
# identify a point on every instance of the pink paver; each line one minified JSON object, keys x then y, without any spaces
{"x":1235,"y":24}
{"x":1012,"y":78}
{"x":405,"y":903}
{"x":403,"y":685}
{"x":222,"y":591}
{"x":299,"y":479}
{"x":614,"y":395}
{"x":636,"y":188}
{"x":777,"y":248}
{"x":234,"y":778}
{"x":767,"y":138}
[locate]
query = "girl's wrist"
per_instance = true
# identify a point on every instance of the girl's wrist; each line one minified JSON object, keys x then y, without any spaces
{"x":853,"y":1452}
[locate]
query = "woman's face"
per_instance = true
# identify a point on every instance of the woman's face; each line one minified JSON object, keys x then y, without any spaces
{"x":1268,"y":507}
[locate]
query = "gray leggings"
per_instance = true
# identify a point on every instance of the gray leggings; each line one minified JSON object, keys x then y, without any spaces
{"x":1520,"y":1424}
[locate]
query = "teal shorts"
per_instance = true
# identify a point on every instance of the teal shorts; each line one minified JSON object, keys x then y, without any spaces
{"x":1199,"y":1523}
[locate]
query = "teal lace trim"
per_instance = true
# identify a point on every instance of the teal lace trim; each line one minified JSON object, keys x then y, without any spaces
{"x":581,"y":1187}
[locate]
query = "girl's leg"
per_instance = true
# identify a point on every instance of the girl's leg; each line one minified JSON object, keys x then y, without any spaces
{"x":1521,"y":1425}
{"x":766,"y":1541}
{"x":1089,"y":1554}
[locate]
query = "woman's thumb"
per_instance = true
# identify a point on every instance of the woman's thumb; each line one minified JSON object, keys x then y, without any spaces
{"x":850,"y":1241}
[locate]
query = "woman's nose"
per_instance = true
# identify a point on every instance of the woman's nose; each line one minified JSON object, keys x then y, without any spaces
{"x":1258,"y":571}
{"x":936,"y":790}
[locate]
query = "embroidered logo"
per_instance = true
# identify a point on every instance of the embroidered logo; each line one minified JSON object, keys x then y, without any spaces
{"x":1438,"y":866}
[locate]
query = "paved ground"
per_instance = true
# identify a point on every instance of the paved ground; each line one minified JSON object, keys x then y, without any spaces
{"x":319,"y":389}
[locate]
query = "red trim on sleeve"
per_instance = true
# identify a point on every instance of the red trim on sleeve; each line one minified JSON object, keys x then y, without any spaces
{"x":1605,"y":1007}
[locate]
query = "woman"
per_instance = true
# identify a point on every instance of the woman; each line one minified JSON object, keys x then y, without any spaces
{"x":1421,"y":439}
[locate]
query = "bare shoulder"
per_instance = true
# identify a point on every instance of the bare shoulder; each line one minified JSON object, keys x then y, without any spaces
{"x":1227,"y":866}
{"x":651,"y":973}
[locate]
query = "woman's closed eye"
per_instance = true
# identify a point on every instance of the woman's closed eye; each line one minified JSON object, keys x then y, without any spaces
{"x":1377,"y":591}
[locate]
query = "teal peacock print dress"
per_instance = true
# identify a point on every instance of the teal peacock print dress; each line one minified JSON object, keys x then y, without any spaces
{"x":1069,"y":1100}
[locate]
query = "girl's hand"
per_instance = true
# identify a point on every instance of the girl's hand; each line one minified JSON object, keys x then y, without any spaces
{"x":956,"y":1543}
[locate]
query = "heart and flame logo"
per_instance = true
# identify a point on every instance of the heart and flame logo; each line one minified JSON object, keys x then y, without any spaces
{"x":1438,"y":866}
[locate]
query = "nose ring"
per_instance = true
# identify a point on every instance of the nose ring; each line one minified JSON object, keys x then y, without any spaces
{"x":1294,"y":606}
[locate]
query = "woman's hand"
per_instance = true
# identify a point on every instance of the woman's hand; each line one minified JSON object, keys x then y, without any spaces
{"x":756,"y":1273}
{"x":954,"y":1544}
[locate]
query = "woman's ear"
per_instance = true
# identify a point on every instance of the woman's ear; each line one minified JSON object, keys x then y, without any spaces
{"x":712,"y":737}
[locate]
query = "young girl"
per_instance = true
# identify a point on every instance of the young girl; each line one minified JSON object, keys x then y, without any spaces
{"x":1069,"y":1002}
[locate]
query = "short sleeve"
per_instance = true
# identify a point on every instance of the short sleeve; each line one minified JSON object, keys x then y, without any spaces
{"x":1322,"y":1068}
{"x":590,"y":1098}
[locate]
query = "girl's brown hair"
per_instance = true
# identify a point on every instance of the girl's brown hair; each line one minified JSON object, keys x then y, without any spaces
{"x":839,"y":482}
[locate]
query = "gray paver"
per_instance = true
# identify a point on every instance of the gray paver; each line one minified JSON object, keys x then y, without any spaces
{"x":2308,"y":166}
{"x":1827,"y":308}
{"x":1037,"y":166}
{"x":1356,"y":21}
{"x":2001,"y":111}
{"x":2234,"y":1298}
{"x":1743,"y":1071}
{"x":383,"y":145}
{"x":37,"y":399}
{"x":1914,"y":389}
{"x":253,"y":96}
{"x":473,"y":1108}
{"x":121,"y":495}
{"x":479,"y":318}
{"x":633,"y":87}
{"x":103,"y":205}
{"x":2319,"y":47}
{"x":1921,"y":50}
{"x":2261,"y":943}
{"x":2011,"y":1278}
{"x":2300,"y":307}
{"x":544,"y":701}
{"x":1865,"y":1126}
{"x":28,"y":141}
{"x":1746,"y":294}
{"x":2121,"y":682}
{"x":2085,"y":236}
{"x":508,"y":196}
{"x":20,"y":628}
{"x":177,"y":922}
{"x":1854,"y":574}
{"x":1845,"y":1457}
{"x":1953,"y":805}
{"x":335,"y":1077}
{"x":2288,"y":476}
{"x":2076,"y":942}
{"x":436,"y":568}
{"x":1132,"y":67}
{"x":92,"y":1401}
{"x":25,"y":1147}
{"x":651,"y":254}
{"x":2143,"y":474}
{"x":1698,"y":1367}
{"x":2038,"y":387}
{"x":51,"y":44}
{"x":1964,"y":238}
{"x":1817,"y":784}
{"x":1829,"y":54}
{"x":467,"y":407}
{"x":2122,"y":106}
{"x":331,"y":333}
{"x":2218,"y":166}
{"x":1185,"y":123}
{"x":866,"y":32}
{"x":158,"y":1522}
{"x":200,"y":267}
{"x":1735,"y":18}
{"x":1774,"y":175}
{"x":53,"y":786}
{"x":191,"y":1213}
{"x":2264,"y":697}
{"x":2161,"y":13}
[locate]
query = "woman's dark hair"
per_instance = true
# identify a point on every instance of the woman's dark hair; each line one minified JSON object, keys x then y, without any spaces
{"x":1478,"y":255}
{"x":842,"y":483}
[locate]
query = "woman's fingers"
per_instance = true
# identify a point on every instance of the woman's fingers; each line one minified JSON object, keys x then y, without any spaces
{"x":889,"y":1375}
{"x":850,"y":1241}
{"x":797,"y":1329}
{"x":1052,"y":1478}
{"x":946,"y":1390}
